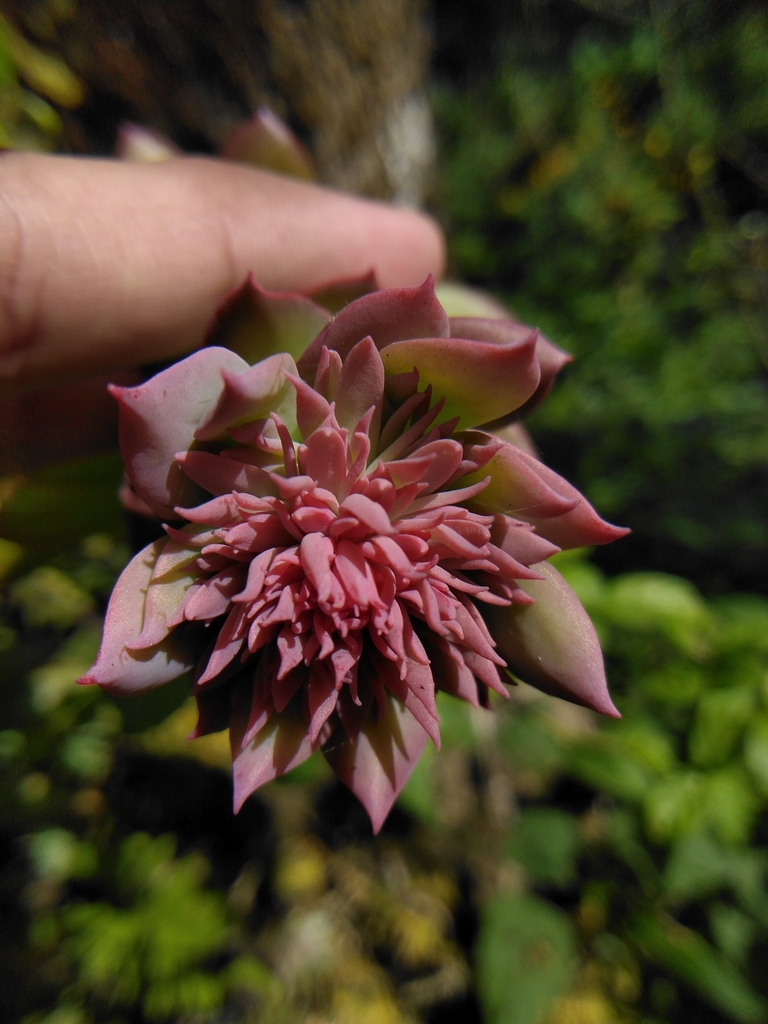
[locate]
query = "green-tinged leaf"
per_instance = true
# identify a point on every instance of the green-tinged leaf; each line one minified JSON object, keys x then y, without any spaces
{"x":266,"y":141}
{"x":546,"y":842}
{"x":586,"y":579}
{"x":257,"y":323}
{"x":460,"y":300}
{"x":552,"y":643}
{"x":153,"y":706}
{"x":687,"y":956}
{"x":479,"y":381}
{"x":526,"y":956}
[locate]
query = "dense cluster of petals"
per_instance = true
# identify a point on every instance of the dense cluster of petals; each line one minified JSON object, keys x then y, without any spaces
{"x":342,"y":540}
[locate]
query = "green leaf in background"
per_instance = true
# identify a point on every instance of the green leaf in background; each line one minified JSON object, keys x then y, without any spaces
{"x":603,"y":763}
{"x":49,"y":597}
{"x":546,"y":842}
{"x":58,"y":855}
{"x":721,"y":716}
{"x":690,"y":958}
{"x":643,"y":601}
{"x":526,"y":956}
{"x":697,"y":866}
{"x":55,"y":508}
{"x":756,"y":752}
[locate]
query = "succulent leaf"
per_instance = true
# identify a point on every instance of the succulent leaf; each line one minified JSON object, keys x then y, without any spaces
{"x":160,"y":418}
{"x":552,"y":643}
{"x":125,"y":671}
{"x":266,"y":141}
{"x":256,"y":323}
{"x":351,"y":542}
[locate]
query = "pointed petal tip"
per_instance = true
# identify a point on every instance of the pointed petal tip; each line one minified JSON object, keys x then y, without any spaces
{"x":601,"y":702}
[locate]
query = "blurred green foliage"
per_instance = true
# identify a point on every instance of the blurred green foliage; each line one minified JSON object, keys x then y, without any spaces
{"x":34,"y":85}
{"x":620,"y":868}
{"x":609,"y":180}
{"x":649,"y":831}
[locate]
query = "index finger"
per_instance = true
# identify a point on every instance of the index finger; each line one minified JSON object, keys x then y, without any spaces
{"x":106,"y":265}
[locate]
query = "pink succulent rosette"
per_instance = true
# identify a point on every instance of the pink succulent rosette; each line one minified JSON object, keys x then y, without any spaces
{"x":343,"y":537}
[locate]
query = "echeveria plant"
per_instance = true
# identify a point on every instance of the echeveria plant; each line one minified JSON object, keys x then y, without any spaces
{"x":345,"y":537}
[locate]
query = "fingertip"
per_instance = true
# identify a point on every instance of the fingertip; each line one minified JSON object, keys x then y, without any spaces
{"x":411,"y":247}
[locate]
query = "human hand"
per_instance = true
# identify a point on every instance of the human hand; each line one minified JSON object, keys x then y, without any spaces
{"x":107,"y":265}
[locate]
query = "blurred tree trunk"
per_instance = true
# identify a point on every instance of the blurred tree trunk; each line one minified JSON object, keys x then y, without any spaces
{"x":348,"y":75}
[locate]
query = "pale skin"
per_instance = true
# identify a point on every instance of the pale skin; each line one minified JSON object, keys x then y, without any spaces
{"x":105,"y":266}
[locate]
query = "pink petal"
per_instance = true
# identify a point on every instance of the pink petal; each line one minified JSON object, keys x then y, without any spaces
{"x":328,"y":373}
{"x":222,"y":476}
{"x":379,"y":762}
{"x":520,"y":541}
{"x":354,"y":573}
{"x":311,"y":407}
{"x":213,"y":711}
{"x":251,"y":395}
{"x":266,"y":141}
{"x":281,"y":745}
{"x":391,"y":314}
{"x":368,"y":512}
{"x":322,"y":696}
{"x":326,"y":459}
{"x":228,"y":644}
{"x":360,"y":386}
{"x":552,"y":643}
{"x":451,"y":671}
{"x":316,"y":553}
{"x":160,"y":417}
{"x":126,"y":672}
{"x":479,"y":381}
{"x":446,"y":455}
